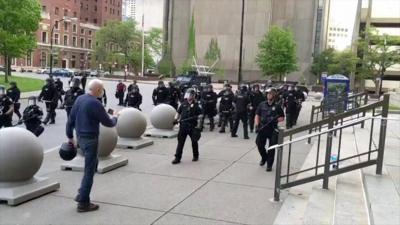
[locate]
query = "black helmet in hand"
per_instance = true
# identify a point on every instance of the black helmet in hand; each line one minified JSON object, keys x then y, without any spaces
{"x":67,"y":151}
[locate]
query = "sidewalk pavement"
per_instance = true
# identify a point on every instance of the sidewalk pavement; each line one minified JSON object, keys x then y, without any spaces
{"x":226,"y":186}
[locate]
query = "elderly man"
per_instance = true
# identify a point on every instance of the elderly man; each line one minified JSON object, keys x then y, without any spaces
{"x":87,"y":114}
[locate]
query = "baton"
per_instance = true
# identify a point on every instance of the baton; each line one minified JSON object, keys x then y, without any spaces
{"x":265,"y":125}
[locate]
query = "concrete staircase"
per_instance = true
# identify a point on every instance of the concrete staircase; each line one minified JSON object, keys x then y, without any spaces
{"x":356,"y":197}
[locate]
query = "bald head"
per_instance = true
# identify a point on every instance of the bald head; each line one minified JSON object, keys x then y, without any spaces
{"x":96,"y":88}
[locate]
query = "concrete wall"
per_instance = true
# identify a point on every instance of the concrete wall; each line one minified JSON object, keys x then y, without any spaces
{"x":222,"y":19}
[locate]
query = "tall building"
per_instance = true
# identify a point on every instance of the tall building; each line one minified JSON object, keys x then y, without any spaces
{"x":74,"y":24}
{"x":129,"y":9}
{"x":222,"y":20}
{"x":152,"y":10}
{"x":339,"y":38}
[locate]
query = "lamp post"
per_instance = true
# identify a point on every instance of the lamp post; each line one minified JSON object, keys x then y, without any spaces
{"x":66,"y":19}
{"x":382,"y":70}
{"x":240,"y":75}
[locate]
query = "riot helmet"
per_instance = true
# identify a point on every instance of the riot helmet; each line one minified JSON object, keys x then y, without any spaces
{"x":256,"y":87}
{"x":32,"y":99}
{"x":76,"y":82}
{"x":243,"y":88}
{"x":271,"y":93}
{"x":67,"y":151}
{"x":190,"y":94}
{"x":161,"y":84}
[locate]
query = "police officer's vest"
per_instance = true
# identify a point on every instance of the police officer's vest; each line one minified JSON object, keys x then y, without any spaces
{"x":269,"y":113}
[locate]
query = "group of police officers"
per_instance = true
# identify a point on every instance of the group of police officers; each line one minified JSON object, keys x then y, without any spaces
{"x":260,"y":111}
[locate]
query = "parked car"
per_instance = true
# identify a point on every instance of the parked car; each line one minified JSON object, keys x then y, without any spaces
{"x":192,"y":78}
{"x":3,"y":69}
{"x":43,"y":71}
{"x":62,"y":73}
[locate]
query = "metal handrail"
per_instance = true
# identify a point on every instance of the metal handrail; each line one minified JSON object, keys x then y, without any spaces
{"x":333,"y":127}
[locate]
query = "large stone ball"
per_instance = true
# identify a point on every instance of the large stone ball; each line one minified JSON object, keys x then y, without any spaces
{"x":162,"y":117}
{"x":21,"y":154}
{"x":131,"y":123}
{"x":108,"y":139}
{"x":318,"y":96}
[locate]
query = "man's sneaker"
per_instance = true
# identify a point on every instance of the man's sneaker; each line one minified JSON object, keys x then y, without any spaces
{"x":77,"y":197}
{"x":176,"y":161}
{"x":262,"y":162}
{"x":195,"y":159}
{"x":234,"y":135}
{"x":269,"y":169}
{"x":222,"y":131}
{"x":246,"y":137}
{"x":87,"y":207}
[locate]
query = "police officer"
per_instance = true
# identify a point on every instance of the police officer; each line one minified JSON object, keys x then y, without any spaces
{"x":60,"y":90}
{"x":291,"y":108}
{"x":72,"y":94}
{"x":83,"y":81}
{"x":6,"y":108}
{"x":226,"y":108}
{"x":209,"y":106}
{"x":268,"y":114}
{"x":33,"y":117}
{"x":103,"y":99}
{"x":14,"y":94}
{"x":187,"y":116}
{"x":50,"y":97}
{"x":256,"y":97}
{"x":242,"y":102}
{"x":174,"y":95}
{"x":160,"y":94}
{"x":300,"y":98}
{"x":134,"y":98}
{"x":133,"y":85}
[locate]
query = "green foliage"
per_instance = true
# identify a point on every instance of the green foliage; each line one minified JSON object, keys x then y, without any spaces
{"x":377,"y":54}
{"x":212,"y":55}
{"x":19,"y":21}
{"x":343,"y":63}
{"x":277,"y":52}
{"x":187,"y":65}
{"x":121,"y":43}
{"x":322,"y":61}
{"x":166,"y":65}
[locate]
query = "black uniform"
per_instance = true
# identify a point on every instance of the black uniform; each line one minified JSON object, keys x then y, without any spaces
{"x":5,"y":104}
{"x":50,"y":97}
{"x":70,"y":97}
{"x":32,"y":118}
{"x":256,"y":97}
{"x":291,"y":107}
{"x":174,"y":96}
{"x":269,"y":115}
{"x":60,"y":90}
{"x":189,"y":113}
{"x":132,"y":86}
{"x":242,"y":101}
{"x":133,"y":99}
{"x":83,"y":82}
{"x":160,"y":95}
{"x":14,"y":94}
{"x":225,"y":109}
{"x":103,"y":99}
{"x":300,"y":99}
{"x":209,"y":106}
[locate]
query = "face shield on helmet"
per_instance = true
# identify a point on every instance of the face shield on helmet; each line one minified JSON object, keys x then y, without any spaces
{"x":32,"y":100}
{"x":271,"y":93}
{"x":160,"y":84}
{"x":190,"y":94}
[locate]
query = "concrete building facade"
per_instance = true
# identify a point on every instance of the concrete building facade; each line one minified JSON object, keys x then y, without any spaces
{"x":222,"y":20}
{"x":73,"y":37}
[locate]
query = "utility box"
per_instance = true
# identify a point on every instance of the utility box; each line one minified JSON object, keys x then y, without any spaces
{"x":336,"y":92}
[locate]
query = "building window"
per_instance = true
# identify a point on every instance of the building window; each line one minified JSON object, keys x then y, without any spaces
{"x":75,"y":14}
{"x":118,"y":12}
{"x":82,"y":31}
{"x":105,"y":8}
{"x":65,"y":12}
{"x":66,"y":40}
{"x":90,"y":44}
{"x":95,"y":8}
{"x":90,"y":33}
{"x":56,"y":25}
{"x":44,"y":37}
{"x":87,"y":7}
{"x":74,"y":41}
{"x":110,"y":10}
{"x":65,"y":27}
{"x":95,"y":21}
{"x":29,"y":59}
{"x":44,"y":8}
{"x":43,"y":60}
{"x":82,"y":43}
{"x":86,"y":19}
{"x":56,"y":11}
{"x":74,"y":28}
{"x":56,"y":39}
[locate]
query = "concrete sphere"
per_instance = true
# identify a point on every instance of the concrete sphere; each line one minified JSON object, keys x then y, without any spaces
{"x":131,"y":123}
{"x":108,"y":139}
{"x":21,"y":154}
{"x":162,"y":117}
{"x":318,"y":96}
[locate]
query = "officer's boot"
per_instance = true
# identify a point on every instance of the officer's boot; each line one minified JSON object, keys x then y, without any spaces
{"x":245,"y":131}
{"x":202,"y":122}
{"x":46,"y":120}
{"x":53,"y":118}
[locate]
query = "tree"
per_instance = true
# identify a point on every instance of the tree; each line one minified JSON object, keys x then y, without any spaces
{"x":378,"y":54}
{"x":19,"y":21}
{"x":277,"y":53}
{"x":166,"y":65}
{"x":343,"y":63}
{"x":321,"y":62}
{"x":154,"y":42}
{"x":187,"y":65}
{"x":212,"y":56}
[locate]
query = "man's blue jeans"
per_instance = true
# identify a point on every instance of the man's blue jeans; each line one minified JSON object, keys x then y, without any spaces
{"x":88,"y":147}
